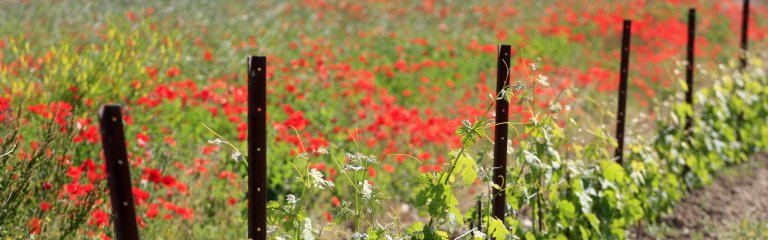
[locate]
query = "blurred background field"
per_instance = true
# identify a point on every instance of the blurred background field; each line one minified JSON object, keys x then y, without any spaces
{"x":391,"y":79}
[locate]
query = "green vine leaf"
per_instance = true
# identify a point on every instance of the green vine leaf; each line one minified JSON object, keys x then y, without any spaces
{"x":414,"y":228}
{"x":612,"y":171}
{"x":530,"y":236}
{"x":466,"y":167}
{"x":593,"y":221}
{"x":497,"y":230}
{"x":470,"y":132}
{"x":440,"y":201}
{"x":567,"y":210}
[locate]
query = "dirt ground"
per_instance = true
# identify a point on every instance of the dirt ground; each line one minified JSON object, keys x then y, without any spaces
{"x":734,"y":206}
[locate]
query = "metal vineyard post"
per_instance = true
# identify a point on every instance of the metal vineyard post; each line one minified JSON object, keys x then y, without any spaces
{"x":118,"y":172}
{"x":479,"y":215}
{"x":621,"y":115}
{"x":500,"y":135}
{"x":743,"y":58}
{"x":690,"y":65}
{"x":744,"y":37}
{"x":257,"y":147}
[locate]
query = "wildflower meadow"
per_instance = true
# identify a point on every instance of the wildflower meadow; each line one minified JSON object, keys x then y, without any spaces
{"x":429,"y":119}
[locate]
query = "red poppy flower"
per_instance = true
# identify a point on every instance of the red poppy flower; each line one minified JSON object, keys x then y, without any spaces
{"x":208,"y":56}
{"x":99,"y":218}
{"x":44,"y":206}
{"x":168,"y":181}
{"x":152,"y":211}
{"x":34,"y":226}
{"x":141,"y":195}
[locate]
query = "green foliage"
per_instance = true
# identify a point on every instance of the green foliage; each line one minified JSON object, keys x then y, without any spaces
{"x":588,"y":195}
{"x":497,"y":230}
{"x":612,"y":171}
{"x":466,"y":167}
{"x":470,"y":132}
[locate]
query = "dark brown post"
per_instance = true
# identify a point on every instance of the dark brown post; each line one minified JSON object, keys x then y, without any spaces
{"x":257,"y":147}
{"x":479,"y":215}
{"x":743,"y":59}
{"x":620,"y":118}
{"x":690,"y":65}
{"x":118,"y":172}
{"x":744,"y":37}
{"x":500,"y":145}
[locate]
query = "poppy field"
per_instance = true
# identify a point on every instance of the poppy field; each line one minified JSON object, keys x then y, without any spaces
{"x":380,"y":115}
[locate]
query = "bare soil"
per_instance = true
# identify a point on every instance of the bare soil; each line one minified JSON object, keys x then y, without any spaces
{"x":717,"y":211}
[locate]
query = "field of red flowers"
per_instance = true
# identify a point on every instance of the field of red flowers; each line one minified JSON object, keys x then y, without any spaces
{"x":365,"y":98}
